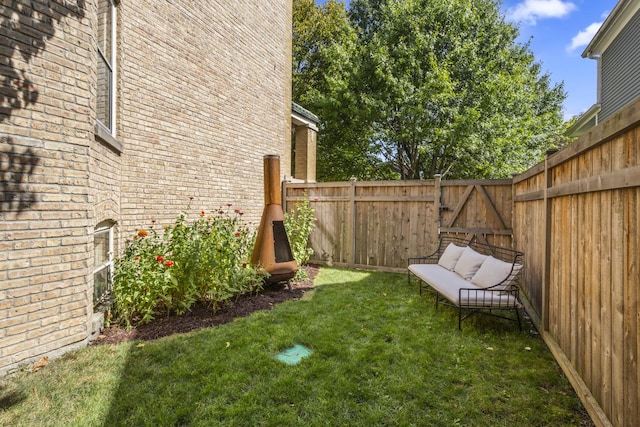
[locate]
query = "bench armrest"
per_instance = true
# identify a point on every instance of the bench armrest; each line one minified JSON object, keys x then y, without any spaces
{"x":491,"y":298}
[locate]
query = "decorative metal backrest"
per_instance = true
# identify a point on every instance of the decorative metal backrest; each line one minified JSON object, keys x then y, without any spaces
{"x":504,"y":254}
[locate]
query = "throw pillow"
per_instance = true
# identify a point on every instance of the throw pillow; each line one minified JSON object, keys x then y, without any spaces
{"x":450,"y":256}
{"x":494,"y":271}
{"x":469,"y":263}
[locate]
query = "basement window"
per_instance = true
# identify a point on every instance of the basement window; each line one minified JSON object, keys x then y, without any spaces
{"x":103,"y":261}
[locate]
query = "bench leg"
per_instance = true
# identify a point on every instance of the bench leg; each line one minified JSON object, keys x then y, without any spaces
{"x":409,"y":282}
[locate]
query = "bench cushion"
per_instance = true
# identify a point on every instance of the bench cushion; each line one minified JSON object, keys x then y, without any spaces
{"x":446,"y":282}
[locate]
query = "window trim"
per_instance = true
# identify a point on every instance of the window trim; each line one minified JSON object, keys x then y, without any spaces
{"x":103,"y":134}
{"x":101,"y":130}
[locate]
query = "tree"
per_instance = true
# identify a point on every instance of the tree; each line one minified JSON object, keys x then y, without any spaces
{"x":449,"y":91}
{"x":314,"y":29}
{"x":326,"y":81}
{"x":421,"y":87}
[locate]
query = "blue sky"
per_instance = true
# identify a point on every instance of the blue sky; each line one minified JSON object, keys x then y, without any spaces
{"x":559,"y":31}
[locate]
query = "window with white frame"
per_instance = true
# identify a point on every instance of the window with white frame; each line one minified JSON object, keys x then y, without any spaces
{"x":105,"y":107}
{"x":103,"y":261}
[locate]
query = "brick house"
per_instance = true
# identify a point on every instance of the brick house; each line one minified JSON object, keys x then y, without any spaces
{"x":113,"y":114}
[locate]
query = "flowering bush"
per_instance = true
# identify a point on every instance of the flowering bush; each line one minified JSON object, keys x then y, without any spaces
{"x":201,"y":260}
{"x":299,"y":224}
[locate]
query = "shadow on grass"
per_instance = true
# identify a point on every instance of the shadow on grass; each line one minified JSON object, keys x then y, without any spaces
{"x":9,"y":398}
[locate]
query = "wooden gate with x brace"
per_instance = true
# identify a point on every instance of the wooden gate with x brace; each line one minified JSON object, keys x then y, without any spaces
{"x":477,"y":208}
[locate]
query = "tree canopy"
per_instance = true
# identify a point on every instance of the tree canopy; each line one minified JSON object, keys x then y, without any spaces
{"x":414,"y":88}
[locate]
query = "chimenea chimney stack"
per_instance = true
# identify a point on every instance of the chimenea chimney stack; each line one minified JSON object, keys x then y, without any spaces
{"x":272,"y":250}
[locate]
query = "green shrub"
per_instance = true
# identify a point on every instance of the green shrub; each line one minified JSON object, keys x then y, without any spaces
{"x":299,"y":224}
{"x":204,"y":260}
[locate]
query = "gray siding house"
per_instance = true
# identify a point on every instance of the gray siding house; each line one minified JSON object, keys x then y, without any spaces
{"x":616,"y":48}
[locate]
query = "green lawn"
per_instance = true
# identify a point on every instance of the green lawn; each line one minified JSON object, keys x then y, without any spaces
{"x":381,"y":355}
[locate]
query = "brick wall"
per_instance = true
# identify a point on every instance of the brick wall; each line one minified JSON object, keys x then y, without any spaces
{"x":45,"y":129}
{"x":203,"y":94}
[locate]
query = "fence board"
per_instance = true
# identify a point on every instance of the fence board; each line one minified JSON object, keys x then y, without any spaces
{"x":605,"y":280}
{"x":584,"y":277}
{"x":578,"y":289}
{"x":632,"y":282}
{"x":564,"y":286}
{"x":617,"y":303}
{"x":596,"y":318}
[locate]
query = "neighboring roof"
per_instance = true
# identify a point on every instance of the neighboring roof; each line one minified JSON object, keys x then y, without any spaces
{"x":585,"y":122}
{"x":303,"y":117}
{"x":615,"y":22}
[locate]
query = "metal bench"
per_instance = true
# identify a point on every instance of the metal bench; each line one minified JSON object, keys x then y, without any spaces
{"x":484,"y":279}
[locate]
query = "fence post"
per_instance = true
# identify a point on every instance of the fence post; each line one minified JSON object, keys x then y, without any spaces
{"x":546,"y":267}
{"x":514,"y":243}
{"x":437,"y":197}
{"x":354,"y":220}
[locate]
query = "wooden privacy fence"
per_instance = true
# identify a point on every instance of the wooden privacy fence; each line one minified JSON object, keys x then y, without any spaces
{"x":369,"y":224}
{"x":381,"y":224}
{"x":576,"y":219}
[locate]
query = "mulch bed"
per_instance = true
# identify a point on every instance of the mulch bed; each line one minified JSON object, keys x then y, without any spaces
{"x":202,"y":316}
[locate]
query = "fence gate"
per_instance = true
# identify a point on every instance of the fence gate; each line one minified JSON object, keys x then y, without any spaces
{"x":478,"y":208}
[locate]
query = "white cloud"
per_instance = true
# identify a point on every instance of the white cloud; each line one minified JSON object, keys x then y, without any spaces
{"x":584,"y":37}
{"x":529,"y":11}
